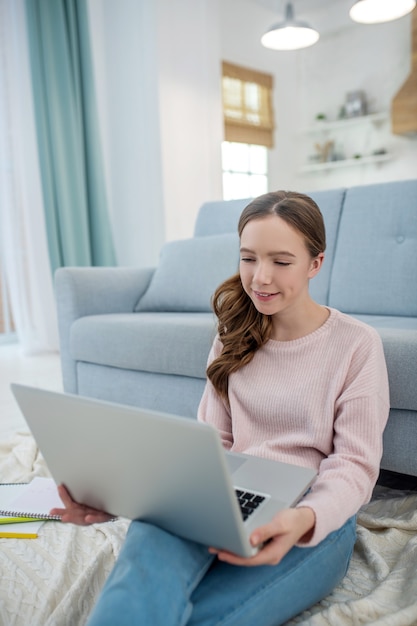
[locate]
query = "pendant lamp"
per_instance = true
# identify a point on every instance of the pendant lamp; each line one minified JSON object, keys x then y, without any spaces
{"x":377,"y":11}
{"x":291,"y":34}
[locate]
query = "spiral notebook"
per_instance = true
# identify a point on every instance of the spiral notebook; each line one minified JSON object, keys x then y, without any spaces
{"x":31,"y":500}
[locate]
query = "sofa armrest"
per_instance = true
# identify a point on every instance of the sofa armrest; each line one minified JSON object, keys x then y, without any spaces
{"x":81,"y":291}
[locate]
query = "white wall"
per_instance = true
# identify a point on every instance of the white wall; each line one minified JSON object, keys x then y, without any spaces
{"x":190,"y":109}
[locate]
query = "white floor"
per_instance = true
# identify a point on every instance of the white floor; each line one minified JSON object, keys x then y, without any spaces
{"x":40,"y":371}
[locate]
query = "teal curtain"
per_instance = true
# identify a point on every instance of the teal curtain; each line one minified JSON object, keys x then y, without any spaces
{"x":77,"y":221}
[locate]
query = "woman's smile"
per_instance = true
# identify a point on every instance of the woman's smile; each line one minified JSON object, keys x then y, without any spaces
{"x":264,"y":296}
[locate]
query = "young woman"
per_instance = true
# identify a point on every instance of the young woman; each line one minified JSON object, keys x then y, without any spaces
{"x":288,"y":379}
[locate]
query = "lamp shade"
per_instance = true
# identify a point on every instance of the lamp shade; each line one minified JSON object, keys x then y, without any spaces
{"x":378,"y":11}
{"x":291,"y":34}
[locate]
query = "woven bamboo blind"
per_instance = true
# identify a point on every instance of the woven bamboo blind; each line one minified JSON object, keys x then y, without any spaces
{"x":247,"y":105}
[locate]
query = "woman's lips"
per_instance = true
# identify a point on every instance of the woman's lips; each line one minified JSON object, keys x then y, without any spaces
{"x":264,"y":296}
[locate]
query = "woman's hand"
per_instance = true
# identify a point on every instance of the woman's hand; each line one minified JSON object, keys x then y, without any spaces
{"x":279,"y":536}
{"x":78,"y":513}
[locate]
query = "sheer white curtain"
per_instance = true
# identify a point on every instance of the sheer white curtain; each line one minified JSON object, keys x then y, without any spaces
{"x":23,"y":243}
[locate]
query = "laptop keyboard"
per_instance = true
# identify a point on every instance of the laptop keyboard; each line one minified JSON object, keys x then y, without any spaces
{"x":248,"y":502}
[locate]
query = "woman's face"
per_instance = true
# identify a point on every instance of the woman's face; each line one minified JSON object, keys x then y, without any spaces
{"x":275,"y":265}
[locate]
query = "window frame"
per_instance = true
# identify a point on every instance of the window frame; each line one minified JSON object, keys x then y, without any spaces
{"x":246,"y":172}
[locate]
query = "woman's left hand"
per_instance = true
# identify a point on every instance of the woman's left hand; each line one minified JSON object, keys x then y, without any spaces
{"x":76,"y":513}
{"x":279,"y":536}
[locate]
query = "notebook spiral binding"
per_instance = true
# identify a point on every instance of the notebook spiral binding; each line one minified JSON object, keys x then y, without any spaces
{"x":43,"y":516}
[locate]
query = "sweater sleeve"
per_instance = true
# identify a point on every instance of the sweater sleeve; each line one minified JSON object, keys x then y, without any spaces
{"x":347,"y":476}
{"x":213,"y":409}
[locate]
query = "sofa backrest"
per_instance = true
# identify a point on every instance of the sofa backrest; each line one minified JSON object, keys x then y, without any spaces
{"x":219,"y":217}
{"x":370,"y":263}
{"x":375,"y":265}
{"x":331,"y":204}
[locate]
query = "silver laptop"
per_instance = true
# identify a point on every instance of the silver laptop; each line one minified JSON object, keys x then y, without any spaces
{"x":168,"y":470}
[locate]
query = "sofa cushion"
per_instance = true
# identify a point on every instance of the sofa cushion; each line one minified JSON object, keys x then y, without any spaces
{"x":164,"y":343}
{"x":374,"y":271}
{"x":189,"y":271}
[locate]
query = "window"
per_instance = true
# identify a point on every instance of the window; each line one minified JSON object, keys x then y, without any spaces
{"x":248,"y":130}
{"x":245,"y":170}
{"x":247,"y":106}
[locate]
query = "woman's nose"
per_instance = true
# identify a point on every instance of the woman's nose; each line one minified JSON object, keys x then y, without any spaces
{"x":262,"y":274}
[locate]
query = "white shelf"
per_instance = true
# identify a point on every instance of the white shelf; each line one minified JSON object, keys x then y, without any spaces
{"x":333,"y":165}
{"x":323,"y":126}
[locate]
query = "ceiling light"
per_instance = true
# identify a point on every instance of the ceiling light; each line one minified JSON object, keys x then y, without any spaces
{"x":377,"y":11}
{"x":291,"y":34}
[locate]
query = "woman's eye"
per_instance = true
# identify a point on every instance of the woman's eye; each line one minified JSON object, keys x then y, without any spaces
{"x":246,"y":259}
{"x":282,"y":263}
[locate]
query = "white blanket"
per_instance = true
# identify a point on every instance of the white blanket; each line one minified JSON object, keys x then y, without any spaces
{"x":55,"y":579}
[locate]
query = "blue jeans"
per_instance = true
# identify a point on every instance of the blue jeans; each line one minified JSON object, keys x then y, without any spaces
{"x":160,"y":579}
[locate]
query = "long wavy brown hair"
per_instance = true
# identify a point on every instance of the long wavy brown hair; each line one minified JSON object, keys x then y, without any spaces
{"x":241,"y":328}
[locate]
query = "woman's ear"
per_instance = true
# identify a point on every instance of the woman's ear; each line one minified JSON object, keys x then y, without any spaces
{"x":316,"y":264}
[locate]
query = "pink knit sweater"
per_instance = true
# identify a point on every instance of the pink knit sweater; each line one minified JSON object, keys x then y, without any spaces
{"x":320,"y":401}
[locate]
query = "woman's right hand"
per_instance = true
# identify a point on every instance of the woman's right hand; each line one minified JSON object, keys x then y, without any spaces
{"x":76,"y":513}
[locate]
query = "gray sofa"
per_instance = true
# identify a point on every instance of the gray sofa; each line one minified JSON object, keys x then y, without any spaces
{"x":141,"y":336}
